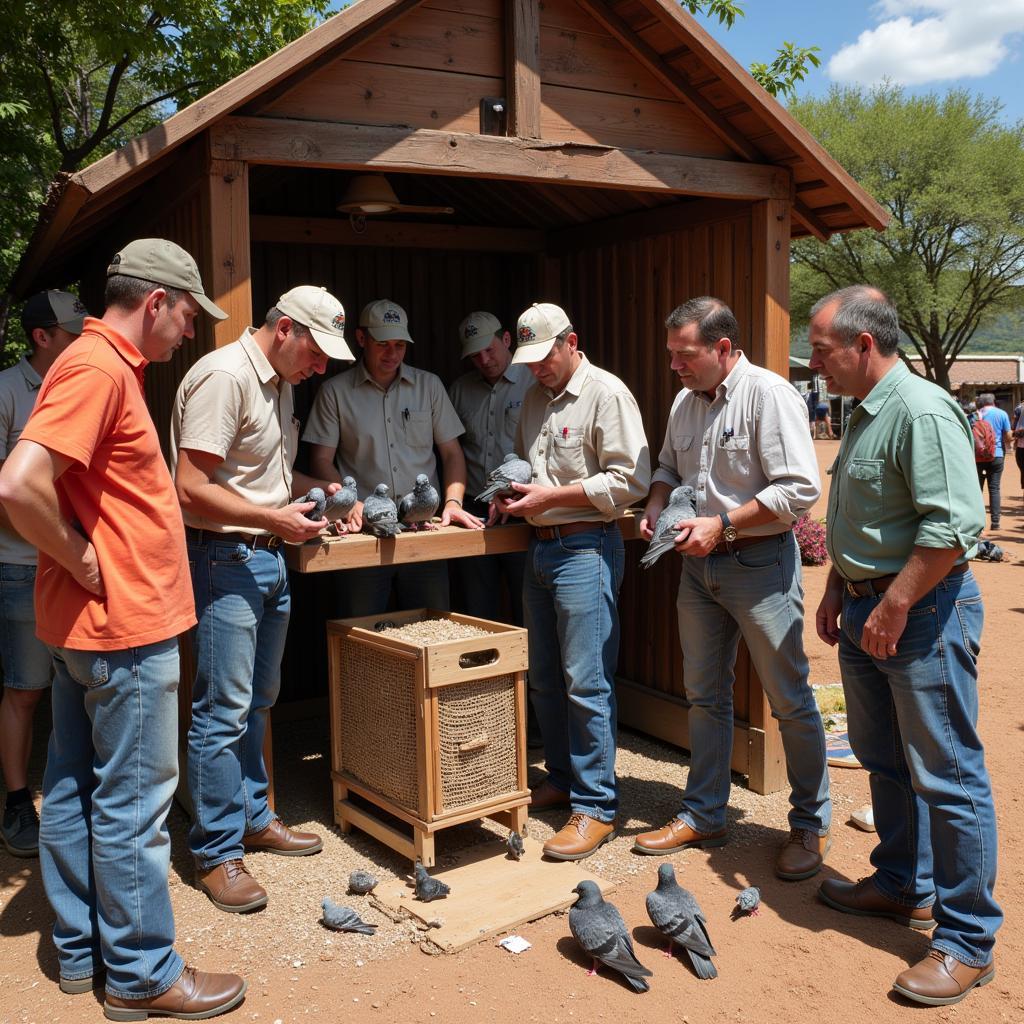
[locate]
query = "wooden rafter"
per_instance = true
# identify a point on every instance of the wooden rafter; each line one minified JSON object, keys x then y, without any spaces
{"x":522,"y":67}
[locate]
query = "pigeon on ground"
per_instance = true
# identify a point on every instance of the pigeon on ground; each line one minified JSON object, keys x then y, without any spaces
{"x":341,"y":502}
{"x":429,"y":889}
{"x":319,"y":499}
{"x":344,"y":919}
{"x":512,"y":470}
{"x":598,"y":927}
{"x":676,"y":914}
{"x":515,"y":845}
{"x":380,"y":515}
{"x":416,"y":508}
{"x":748,"y":901}
{"x":682,"y":504}
{"x":361,"y":882}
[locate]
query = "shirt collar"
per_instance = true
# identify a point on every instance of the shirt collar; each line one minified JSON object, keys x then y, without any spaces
{"x":363,"y":376}
{"x":118,"y":342}
{"x":880,"y":393}
{"x":576,"y":381}
{"x":260,"y":363}
{"x":28,"y":372}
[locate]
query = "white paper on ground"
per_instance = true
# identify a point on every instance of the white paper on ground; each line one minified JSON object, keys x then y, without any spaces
{"x":515,"y":944}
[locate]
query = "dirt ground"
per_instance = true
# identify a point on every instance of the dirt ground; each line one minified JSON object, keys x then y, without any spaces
{"x":796,"y":962}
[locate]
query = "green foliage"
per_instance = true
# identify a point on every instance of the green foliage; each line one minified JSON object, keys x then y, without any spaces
{"x":726,"y":11}
{"x":952,"y":176}
{"x":791,"y":65}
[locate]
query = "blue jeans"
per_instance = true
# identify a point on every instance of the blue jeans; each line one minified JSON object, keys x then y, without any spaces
{"x":25,"y":658}
{"x":243,"y":604}
{"x":992,"y":472}
{"x":570,"y":594}
{"x":912,"y":724}
{"x":111,"y":770}
{"x":755,"y":592}
{"x":417,"y":585}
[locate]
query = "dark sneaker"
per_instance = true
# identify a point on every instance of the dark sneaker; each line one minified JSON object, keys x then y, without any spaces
{"x":20,"y":831}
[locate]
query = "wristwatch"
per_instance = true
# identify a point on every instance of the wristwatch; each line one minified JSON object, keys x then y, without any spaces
{"x":729,"y":532}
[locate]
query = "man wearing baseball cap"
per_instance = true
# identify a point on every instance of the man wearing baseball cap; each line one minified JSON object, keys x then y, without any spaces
{"x":234,"y":438}
{"x":113,"y":578}
{"x":52,"y":320}
{"x":581,"y":431}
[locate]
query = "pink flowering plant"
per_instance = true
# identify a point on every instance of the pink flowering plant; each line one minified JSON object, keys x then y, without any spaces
{"x":810,"y":535}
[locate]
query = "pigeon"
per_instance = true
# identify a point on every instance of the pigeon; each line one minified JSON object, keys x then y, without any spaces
{"x":682,"y":504}
{"x":676,"y":914}
{"x":341,"y":503}
{"x":512,"y":470}
{"x":598,"y":927}
{"x":516,"y":849}
{"x":380,"y":516}
{"x":429,"y":889}
{"x":319,"y":499}
{"x":361,"y":882}
{"x":748,"y":901}
{"x":416,"y":508}
{"x":344,"y":919}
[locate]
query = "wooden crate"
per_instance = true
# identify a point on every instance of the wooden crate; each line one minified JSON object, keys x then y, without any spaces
{"x":433,"y":734}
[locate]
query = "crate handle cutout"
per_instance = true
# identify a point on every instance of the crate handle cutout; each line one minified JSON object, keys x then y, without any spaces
{"x":477,"y":743}
{"x":477,"y":658}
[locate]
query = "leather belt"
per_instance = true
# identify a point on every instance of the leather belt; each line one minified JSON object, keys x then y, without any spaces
{"x":270,"y":541}
{"x":568,"y":529}
{"x":725,"y":546}
{"x":880,"y":584}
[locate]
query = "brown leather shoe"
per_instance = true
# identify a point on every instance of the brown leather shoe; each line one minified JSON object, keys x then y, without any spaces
{"x":864,"y":899}
{"x":940,"y":979}
{"x":231,"y":888}
{"x":579,"y":838}
{"x":278,"y":838}
{"x":802,"y":855}
{"x":547,"y":795}
{"x":675,"y":836}
{"x":194,"y":996}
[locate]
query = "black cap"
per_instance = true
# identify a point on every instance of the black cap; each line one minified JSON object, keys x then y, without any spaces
{"x":54,"y":309}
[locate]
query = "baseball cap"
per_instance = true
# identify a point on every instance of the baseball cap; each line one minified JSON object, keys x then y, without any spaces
{"x":319,"y":311}
{"x":476,"y":332}
{"x":164,"y":263}
{"x":385,"y":320}
{"x":536,"y":331}
{"x":54,"y":309}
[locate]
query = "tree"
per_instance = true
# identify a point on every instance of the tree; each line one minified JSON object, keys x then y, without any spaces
{"x":951,"y":174}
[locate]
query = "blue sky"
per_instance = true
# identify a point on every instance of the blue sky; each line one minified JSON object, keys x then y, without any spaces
{"x":927,"y":45}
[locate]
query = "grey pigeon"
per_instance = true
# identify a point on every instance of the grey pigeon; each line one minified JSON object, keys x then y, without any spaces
{"x":361,"y":882}
{"x":416,"y":508}
{"x":748,"y":901}
{"x":344,"y":919}
{"x":512,"y":470}
{"x":515,"y":845}
{"x":319,"y":499}
{"x":340,"y":503}
{"x":676,"y":914}
{"x":429,"y":889}
{"x":598,"y":927}
{"x":682,"y":504}
{"x":380,"y":515}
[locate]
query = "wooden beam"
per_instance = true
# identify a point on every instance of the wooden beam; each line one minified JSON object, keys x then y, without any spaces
{"x":397,"y":234}
{"x":522,"y":68}
{"x":226,"y":212}
{"x":284,"y":142}
{"x":810,"y":220}
{"x":769,"y":284}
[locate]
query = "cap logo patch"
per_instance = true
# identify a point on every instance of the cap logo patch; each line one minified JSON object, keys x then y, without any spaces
{"x":526,"y":333}
{"x":116,"y":260}
{"x":471,"y":331}
{"x":338,"y":323}
{"x":79,"y":307}
{"x":392,"y":316}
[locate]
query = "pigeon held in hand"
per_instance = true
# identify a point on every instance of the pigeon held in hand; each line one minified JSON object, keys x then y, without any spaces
{"x":512,"y":470}
{"x":747,"y":901}
{"x":319,"y":499}
{"x":419,"y":505}
{"x":598,"y":927}
{"x":677,"y":915}
{"x":682,"y":504}
{"x":361,"y":882}
{"x":380,"y":514}
{"x":344,"y":919}
{"x":341,"y":502}
{"x":429,"y":889}
{"x":516,"y":849}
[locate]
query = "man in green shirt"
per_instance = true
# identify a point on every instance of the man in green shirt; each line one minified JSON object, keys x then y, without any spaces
{"x":903,"y":518}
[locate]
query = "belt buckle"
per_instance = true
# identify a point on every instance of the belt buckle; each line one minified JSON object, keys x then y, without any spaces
{"x":851,"y":589}
{"x":273,"y":542}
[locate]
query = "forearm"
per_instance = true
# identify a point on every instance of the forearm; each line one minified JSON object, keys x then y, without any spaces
{"x":750,"y":514}
{"x":924,"y":568}
{"x":302,"y":483}
{"x":33,"y":510}
{"x":453,"y":468}
{"x":209,"y":501}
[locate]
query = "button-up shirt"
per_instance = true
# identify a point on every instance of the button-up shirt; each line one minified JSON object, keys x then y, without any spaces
{"x":904,"y":478}
{"x":591,"y":434}
{"x":490,"y":414}
{"x":749,"y":441}
{"x":19,"y":388}
{"x":383,"y":436}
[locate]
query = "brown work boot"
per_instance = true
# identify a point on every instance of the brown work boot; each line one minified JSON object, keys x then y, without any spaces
{"x":547,"y":795}
{"x":802,"y":855}
{"x":676,"y":836}
{"x":194,"y":996}
{"x":940,"y":979}
{"x":865,"y":900}
{"x":580,"y":837}
{"x":231,"y":888}
{"x":278,"y":838}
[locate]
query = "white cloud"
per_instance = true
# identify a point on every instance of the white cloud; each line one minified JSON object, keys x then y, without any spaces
{"x":919,"y":41}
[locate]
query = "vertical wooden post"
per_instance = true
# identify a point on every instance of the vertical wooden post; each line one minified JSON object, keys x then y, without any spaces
{"x":522,"y":67}
{"x":226,"y":214}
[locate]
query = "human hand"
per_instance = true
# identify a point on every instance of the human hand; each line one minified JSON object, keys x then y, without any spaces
{"x":535,"y":498}
{"x":698,"y":535}
{"x":650,"y":519}
{"x":883,"y":629}
{"x":291,"y":524}
{"x":826,"y":619}
{"x":87,"y":573}
{"x":456,"y":515}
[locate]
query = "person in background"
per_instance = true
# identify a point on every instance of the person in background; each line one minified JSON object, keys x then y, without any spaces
{"x":1018,"y":440}
{"x":992,"y":471}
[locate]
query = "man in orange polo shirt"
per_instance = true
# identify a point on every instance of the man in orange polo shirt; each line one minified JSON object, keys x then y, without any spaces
{"x":88,"y":486}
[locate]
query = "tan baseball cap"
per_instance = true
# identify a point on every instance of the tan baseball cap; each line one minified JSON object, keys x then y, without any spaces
{"x":54,"y":309}
{"x":319,"y":311}
{"x":164,"y":263}
{"x":536,"y":331}
{"x":385,"y":320}
{"x":476,"y":332}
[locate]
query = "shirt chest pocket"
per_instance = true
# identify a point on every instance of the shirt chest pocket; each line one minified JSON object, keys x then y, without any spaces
{"x":512,"y":412}
{"x":567,"y":460}
{"x":419,"y":430}
{"x":864,"y":491}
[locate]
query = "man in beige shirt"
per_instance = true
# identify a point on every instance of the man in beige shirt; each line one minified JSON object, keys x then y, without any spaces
{"x":234,"y":440}
{"x":379,"y":423}
{"x":581,"y":431}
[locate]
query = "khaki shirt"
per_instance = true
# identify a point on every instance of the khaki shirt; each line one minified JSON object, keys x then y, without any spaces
{"x":491,"y":416}
{"x":591,"y":434}
{"x":383,"y":437}
{"x":232,"y":404}
{"x":19,"y":387}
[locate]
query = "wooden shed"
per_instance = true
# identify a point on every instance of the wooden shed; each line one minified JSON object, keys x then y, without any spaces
{"x":608,"y":156}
